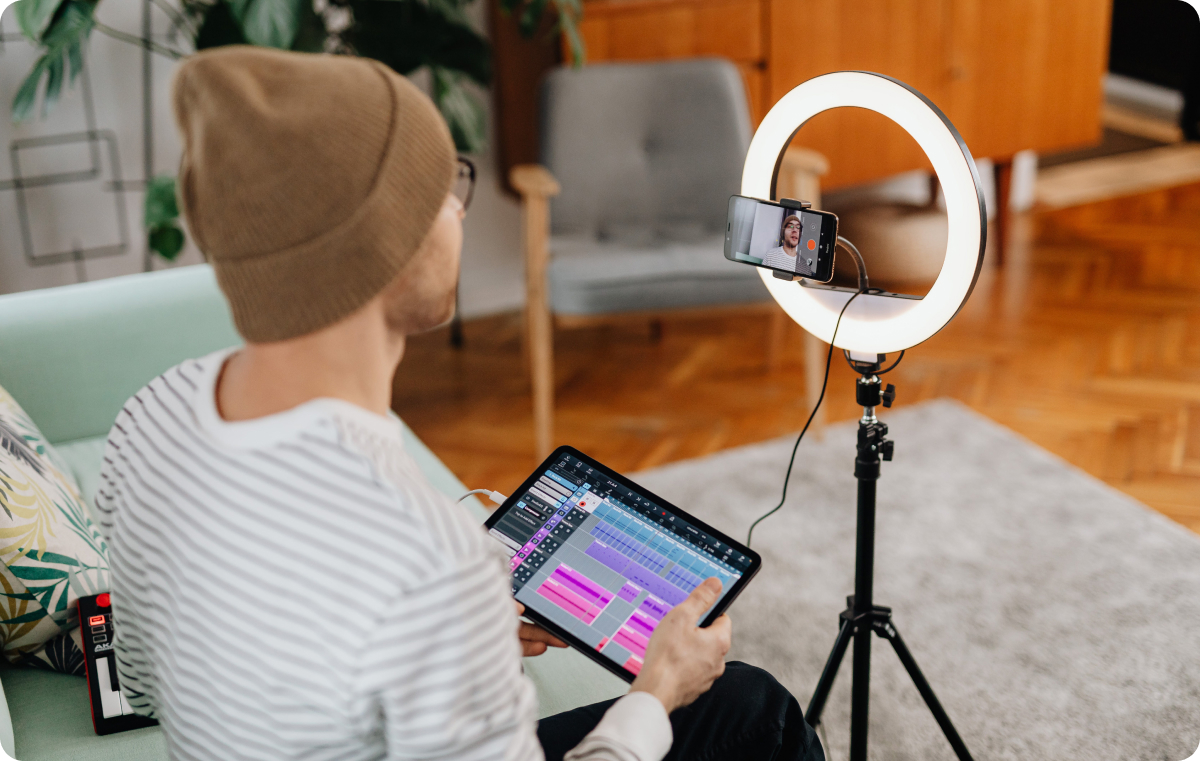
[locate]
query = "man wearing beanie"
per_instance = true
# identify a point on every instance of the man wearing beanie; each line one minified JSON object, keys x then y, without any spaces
{"x":286,"y":583}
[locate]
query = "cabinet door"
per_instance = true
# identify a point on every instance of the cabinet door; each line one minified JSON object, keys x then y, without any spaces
{"x":1010,"y":74}
{"x":1027,"y":73}
{"x":905,"y":40}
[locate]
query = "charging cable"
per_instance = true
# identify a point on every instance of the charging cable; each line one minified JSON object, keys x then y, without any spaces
{"x":494,"y":496}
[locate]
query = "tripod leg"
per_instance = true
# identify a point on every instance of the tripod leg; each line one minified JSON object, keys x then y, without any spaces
{"x":821,"y":694}
{"x":888,"y":631}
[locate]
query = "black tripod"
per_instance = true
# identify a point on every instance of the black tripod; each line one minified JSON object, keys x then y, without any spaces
{"x":861,"y":615}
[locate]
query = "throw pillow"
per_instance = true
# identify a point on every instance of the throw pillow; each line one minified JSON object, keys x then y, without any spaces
{"x":51,"y":553}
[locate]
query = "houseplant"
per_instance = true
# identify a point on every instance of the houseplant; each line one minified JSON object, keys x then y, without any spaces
{"x":407,"y":35}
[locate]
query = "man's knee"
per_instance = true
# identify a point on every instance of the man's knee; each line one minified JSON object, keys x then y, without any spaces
{"x":764,"y":701}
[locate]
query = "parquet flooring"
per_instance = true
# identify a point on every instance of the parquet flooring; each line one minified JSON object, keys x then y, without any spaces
{"x":1086,"y":343}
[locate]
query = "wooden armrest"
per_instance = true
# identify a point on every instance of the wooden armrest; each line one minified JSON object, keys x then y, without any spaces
{"x":799,"y":159}
{"x":533,"y":180}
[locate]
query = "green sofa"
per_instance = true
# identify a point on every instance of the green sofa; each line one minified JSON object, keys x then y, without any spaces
{"x":71,"y":356}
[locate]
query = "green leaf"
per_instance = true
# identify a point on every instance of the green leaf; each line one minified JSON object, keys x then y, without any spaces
{"x":270,"y":23}
{"x":569,"y":14}
{"x":160,"y":206}
{"x":408,"y":34}
{"x":70,"y":27}
{"x":220,"y":27}
{"x":53,"y":557}
{"x":463,"y":112}
{"x":166,"y":241}
{"x":54,"y":82}
{"x":33,"y":16}
{"x":26,"y":96}
{"x":35,"y":615}
{"x":36,"y":573}
{"x":531,"y":17}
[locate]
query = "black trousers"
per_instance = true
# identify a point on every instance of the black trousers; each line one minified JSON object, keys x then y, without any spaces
{"x":746,"y":716}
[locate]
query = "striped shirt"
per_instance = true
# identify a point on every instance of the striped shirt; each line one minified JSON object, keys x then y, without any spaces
{"x":293,"y":587}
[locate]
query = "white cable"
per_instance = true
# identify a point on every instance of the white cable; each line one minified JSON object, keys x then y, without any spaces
{"x":494,"y":496}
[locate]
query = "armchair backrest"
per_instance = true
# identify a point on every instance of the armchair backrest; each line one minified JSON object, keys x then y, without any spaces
{"x":645,"y":150}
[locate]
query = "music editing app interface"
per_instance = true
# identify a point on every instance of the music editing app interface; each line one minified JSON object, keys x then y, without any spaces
{"x":611,"y":562}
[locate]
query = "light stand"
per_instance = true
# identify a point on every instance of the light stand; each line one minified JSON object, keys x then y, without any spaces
{"x":862,"y":616}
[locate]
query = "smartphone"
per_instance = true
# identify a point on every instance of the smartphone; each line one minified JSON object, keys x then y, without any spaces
{"x":766,"y":234}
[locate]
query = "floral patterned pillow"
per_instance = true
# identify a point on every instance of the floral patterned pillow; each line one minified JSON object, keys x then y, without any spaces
{"x":52,"y":554}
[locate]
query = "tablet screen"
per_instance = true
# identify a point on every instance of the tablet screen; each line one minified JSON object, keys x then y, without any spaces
{"x":604,"y":562}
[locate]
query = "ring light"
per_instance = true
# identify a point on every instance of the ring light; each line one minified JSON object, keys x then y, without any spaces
{"x":878,"y":324}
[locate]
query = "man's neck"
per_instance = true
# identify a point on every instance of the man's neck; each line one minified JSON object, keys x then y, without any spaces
{"x":353,"y":360}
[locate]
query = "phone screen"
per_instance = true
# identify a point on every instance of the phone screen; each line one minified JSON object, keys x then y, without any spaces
{"x":795,"y":241}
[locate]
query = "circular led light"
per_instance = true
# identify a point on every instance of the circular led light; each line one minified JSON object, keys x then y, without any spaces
{"x":878,"y":324}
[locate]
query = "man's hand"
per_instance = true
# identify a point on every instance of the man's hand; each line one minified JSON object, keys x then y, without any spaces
{"x":683,"y":660}
{"x":535,"y":639}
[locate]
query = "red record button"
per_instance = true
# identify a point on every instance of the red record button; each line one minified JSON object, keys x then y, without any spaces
{"x":104,"y":601}
{"x":812,"y":244}
{"x":96,"y":621}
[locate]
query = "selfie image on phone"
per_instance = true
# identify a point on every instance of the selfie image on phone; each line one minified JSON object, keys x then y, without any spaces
{"x":793,"y":241}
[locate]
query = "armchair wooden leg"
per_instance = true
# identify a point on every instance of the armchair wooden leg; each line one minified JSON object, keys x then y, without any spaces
{"x":540,"y":338}
{"x":537,"y":186}
{"x":815,"y":352}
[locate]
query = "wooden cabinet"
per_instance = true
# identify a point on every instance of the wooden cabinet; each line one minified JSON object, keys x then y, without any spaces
{"x":647,"y":30}
{"x":1010,"y":74}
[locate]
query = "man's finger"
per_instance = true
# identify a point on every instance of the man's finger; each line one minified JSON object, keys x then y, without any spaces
{"x":520,"y":608}
{"x":532,"y":633}
{"x":703,"y":596}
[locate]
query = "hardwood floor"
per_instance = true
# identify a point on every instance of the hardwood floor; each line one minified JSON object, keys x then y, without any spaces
{"x":1087,"y":343}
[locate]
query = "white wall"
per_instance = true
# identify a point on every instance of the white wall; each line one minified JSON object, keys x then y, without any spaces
{"x":67,"y":215}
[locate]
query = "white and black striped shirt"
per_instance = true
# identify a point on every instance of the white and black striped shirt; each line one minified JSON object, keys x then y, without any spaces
{"x":293,"y":587}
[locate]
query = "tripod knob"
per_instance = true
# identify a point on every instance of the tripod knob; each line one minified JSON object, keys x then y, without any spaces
{"x":888,"y":396}
{"x":886,"y":449}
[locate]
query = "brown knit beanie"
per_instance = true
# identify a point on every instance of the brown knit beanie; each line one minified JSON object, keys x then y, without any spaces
{"x":307,"y":180}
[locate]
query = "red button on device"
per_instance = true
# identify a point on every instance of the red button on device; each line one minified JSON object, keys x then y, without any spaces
{"x":812,"y":244}
{"x":104,"y":600}
{"x":96,"y":621}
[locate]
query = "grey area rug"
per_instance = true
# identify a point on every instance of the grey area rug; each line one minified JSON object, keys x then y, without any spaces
{"x":1054,"y":617}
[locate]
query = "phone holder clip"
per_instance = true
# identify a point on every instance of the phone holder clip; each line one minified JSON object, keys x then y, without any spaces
{"x":792,"y":203}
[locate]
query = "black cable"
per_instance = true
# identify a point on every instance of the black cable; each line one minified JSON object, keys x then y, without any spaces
{"x":792,"y":461}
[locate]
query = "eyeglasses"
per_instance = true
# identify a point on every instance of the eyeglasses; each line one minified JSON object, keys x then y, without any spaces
{"x":792,"y":226}
{"x":464,"y":182}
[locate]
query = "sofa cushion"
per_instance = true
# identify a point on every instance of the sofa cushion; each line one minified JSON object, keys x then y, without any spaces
{"x":600,"y":277}
{"x":52,"y":554}
{"x":52,"y":721}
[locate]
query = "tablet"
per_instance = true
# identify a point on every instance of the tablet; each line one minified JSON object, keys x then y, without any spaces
{"x":598,"y":560}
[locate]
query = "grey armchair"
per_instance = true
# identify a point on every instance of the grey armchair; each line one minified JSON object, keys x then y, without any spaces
{"x":640,"y":160}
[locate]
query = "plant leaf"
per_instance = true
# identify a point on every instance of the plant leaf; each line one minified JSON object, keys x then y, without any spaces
{"x":463,"y":112}
{"x":270,"y":23}
{"x":35,"y":615}
{"x":70,"y":28}
{"x":26,"y":97}
{"x":220,"y":27}
{"x":160,"y":207}
{"x":408,"y":34}
{"x":54,"y":81}
{"x":166,"y":241}
{"x":36,"y":573}
{"x":33,"y":16}
{"x":531,"y":17}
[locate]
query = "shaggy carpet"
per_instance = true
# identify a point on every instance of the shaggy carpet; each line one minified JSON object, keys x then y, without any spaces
{"x":1055,"y":617}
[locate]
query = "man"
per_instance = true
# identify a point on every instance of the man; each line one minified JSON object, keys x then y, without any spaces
{"x":783,"y":256}
{"x":286,"y":582}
